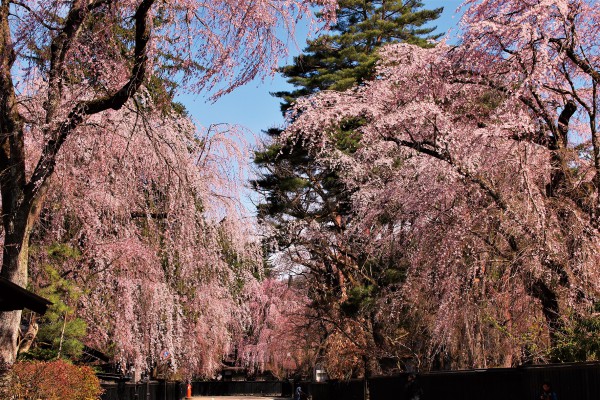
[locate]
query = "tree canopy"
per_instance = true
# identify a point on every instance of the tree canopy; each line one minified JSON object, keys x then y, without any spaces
{"x":478,"y":170}
{"x":73,"y":74}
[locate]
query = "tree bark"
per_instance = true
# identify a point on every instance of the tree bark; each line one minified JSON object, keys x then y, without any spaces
{"x":17,"y":230}
{"x":29,"y":336}
{"x":12,"y":180}
{"x":550,"y":308}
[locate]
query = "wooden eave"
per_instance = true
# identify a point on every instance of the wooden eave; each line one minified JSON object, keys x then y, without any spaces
{"x":14,"y":297}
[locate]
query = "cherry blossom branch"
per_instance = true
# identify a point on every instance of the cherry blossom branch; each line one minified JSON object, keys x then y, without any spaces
{"x":582,"y":63}
{"x":35,"y":14}
{"x":426,"y":148}
{"x":115,"y":101}
{"x":59,"y":47}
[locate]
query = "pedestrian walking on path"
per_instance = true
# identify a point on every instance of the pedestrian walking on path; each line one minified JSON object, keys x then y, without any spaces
{"x":547,"y":392}
{"x":298,"y":393}
{"x":412,"y":389}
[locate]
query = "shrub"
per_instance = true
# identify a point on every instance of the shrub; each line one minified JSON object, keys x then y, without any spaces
{"x":55,"y":380}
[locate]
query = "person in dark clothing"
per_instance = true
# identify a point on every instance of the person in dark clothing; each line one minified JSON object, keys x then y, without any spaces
{"x":547,"y":393}
{"x":412,"y":389}
{"x":299,"y":393}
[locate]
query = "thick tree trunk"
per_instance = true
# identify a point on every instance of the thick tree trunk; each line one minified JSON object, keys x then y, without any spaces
{"x":20,"y":210}
{"x":508,"y":316}
{"x":9,"y":330}
{"x":14,"y":268}
{"x":12,"y":184}
{"x":366,"y":392}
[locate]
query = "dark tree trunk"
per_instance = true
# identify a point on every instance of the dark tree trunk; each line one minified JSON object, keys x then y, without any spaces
{"x":12,"y":184}
{"x":17,"y":228}
{"x":550,"y":308}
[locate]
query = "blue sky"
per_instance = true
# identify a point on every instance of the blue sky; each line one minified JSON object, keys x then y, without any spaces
{"x":252,"y":107}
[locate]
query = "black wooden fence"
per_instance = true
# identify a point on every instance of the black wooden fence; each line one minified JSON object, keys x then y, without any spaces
{"x":579,"y":381}
{"x":144,"y":391}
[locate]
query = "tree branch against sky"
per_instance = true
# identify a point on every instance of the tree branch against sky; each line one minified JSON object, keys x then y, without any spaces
{"x":263,"y":111}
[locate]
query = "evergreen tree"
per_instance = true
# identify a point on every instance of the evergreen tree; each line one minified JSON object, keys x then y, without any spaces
{"x":61,"y":331}
{"x":293,"y":184}
{"x":347,"y":55}
{"x":298,"y":188}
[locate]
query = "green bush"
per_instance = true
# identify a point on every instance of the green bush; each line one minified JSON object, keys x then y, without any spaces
{"x":55,"y":380}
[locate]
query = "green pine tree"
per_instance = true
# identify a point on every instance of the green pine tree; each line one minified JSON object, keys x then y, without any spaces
{"x":347,"y":55}
{"x":61,"y":332}
{"x":295,"y":186}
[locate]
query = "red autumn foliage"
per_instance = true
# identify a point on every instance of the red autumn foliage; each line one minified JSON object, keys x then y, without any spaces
{"x":55,"y":380}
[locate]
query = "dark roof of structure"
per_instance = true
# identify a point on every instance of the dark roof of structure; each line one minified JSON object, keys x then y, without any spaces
{"x":90,"y":355}
{"x":14,"y":297}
